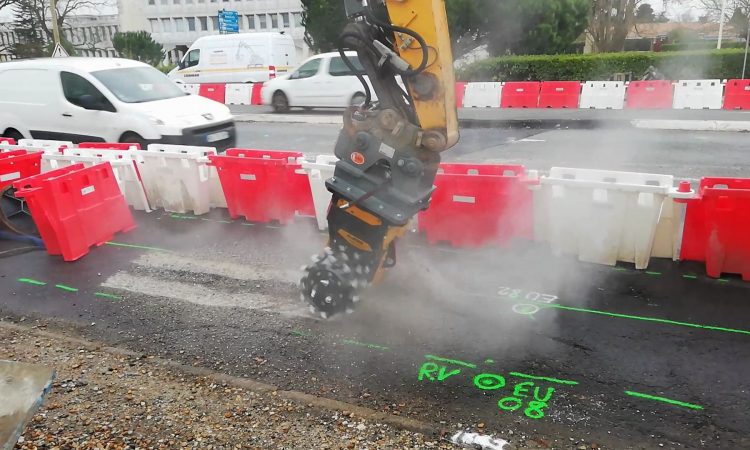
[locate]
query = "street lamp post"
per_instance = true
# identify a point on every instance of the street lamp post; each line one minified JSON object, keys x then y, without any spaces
{"x":747,"y":45}
{"x":55,"y":29}
{"x":721,"y":23}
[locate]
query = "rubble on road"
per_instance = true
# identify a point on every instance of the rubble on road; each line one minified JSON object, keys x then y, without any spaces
{"x":106,"y":400}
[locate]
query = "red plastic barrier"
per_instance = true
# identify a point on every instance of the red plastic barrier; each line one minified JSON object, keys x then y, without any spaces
{"x":520,"y":94}
{"x":215,"y":92}
{"x":560,"y":94}
{"x":264,"y":185}
{"x":476,"y":205}
{"x":75,"y":208}
{"x":460,"y":91}
{"x":255,"y":98}
{"x":717,"y":227}
{"x":7,"y":141}
{"x":658,"y":94}
{"x":18,"y":164}
{"x":110,"y":145}
{"x":737,"y":94}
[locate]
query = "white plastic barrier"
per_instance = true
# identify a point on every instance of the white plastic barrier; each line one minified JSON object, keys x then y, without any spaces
{"x":603,"y":95}
{"x":238,"y":94}
{"x":10,"y":148}
{"x":698,"y":94}
{"x":124,"y":171}
{"x":175,"y":179}
{"x":605,"y":216}
{"x":189,"y":88}
{"x":48,"y":146}
{"x":318,"y":172}
{"x":482,"y":95}
{"x":216,"y":193}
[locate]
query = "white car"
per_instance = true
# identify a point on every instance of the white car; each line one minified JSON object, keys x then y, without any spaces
{"x":106,"y":100}
{"x":323,"y":81}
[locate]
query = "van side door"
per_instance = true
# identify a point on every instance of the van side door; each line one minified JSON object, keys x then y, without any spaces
{"x":190,"y":67}
{"x":87,"y":114}
{"x":30,"y":101}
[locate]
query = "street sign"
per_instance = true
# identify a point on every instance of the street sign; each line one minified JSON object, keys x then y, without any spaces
{"x":59,"y":52}
{"x":229,"y":22}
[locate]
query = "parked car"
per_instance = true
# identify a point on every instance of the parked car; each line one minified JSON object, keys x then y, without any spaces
{"x":323,"y":81}
{"x":106,"y":100}
{"x":237,"y":58}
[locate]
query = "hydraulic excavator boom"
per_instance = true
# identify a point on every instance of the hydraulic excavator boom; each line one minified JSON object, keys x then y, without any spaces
{"x":389,"y":149}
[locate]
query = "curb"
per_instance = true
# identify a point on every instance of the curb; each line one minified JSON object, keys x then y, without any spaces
{"x":318,"y":403}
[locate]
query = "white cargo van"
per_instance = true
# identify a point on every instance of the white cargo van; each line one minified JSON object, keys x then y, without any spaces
{"x":106,"y":100}
{"x":237,"y":58}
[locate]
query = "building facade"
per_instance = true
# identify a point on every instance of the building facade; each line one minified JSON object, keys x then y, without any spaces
{"x":91,"y":35}
{"x":176,"y":24}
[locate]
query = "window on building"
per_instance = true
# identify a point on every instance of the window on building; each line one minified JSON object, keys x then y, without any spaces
{"x":151,"y":2}
{"x":164,"y":2}
{"x":285,"y":20}
{"x":191,"y":23}
{"x":251,"y":21}
{"x":215,"y":22}
{"x":154,"y":25}
{"x":262,"y":21}
{"x":177,"y":2}
{"x":297,"y":19}
{"x":203,"y":21}
{"x":179,"y":24}
{"x":274,"y":21}
{"x":166,"y":25}
{"x":188,"y":2}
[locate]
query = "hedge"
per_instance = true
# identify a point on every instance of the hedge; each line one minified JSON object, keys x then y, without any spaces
{"x":701,"y":64}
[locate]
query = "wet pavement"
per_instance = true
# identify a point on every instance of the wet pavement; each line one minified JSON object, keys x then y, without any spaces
{"x":531,"y":346}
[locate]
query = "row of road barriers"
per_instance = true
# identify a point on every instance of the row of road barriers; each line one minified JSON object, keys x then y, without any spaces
{"x":656,"y":94}
{"x":599,"y":216}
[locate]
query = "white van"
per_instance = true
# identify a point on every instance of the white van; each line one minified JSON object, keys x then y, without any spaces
{"x":237,"y":58}
{"x":106,"y":100}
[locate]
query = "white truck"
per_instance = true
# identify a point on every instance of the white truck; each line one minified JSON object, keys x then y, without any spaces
{"x":237,"y":58}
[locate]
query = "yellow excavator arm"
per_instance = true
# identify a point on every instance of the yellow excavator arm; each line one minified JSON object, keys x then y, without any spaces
{"x":389,"y":149}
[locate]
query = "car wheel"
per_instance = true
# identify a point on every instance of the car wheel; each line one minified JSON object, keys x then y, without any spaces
{"x":280,"y":102}
{"x":358,"y":99}
{"x":133,"y":138}
{"x":13,"y":134}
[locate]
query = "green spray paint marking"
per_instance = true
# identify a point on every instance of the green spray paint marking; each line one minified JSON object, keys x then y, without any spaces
{"x":664,"y":399}
{"x":142,"y":247}
{"x":363,"y":344}
{"x":66,"y":288}
{"x":656,"y":274}
{"x":30,"y":281}
{"x":691,"y":277}
{"x":301,"y":333}
{"x":178,"y":216}
{"x":722,"y":280}
{"x":105,"y":295}
{"x":649,"y":319}
{"x":489,"y":361}
{"x":247,"y":224}
{"x":214,"y":220}
{"x":551,"y":380}
{"x":621,"y":269}
{"x":451,"y":361}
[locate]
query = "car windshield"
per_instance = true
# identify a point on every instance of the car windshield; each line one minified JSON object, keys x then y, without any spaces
{"x":138,"y":84}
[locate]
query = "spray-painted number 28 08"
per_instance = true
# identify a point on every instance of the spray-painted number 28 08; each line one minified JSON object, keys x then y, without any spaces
{"x":529,"y":296}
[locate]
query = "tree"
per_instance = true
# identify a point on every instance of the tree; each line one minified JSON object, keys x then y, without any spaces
{"x":535,"y":26}
{"x":323,"y":21}
{"x":138,"y":45}
{"x":31,"y":40}
{"x":740,"y":21}
{"x":610,"y":21}
{"x":645,"y":14}
{"x":713,"y":8}
{"x":36,"y":17}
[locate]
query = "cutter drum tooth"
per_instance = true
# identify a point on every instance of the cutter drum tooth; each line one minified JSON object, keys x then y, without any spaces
{"x":328,"y":286}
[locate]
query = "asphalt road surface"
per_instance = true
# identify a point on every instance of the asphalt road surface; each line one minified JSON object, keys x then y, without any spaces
{"x":683,"y":154}
{"x":533,"y":347}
